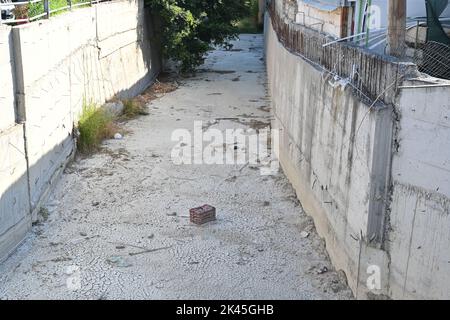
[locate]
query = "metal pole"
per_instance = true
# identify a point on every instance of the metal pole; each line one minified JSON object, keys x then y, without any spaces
{"x":417,"y":34}
{"x":369,"y":16}
{"x":47,"y":8}
{"x":360,"y":14}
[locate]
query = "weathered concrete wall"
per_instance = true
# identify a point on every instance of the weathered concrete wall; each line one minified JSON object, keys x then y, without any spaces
{"x":88,"y":55}
{"x":329,"y":149}
{"x":420,"y":212}
{"x":375,"y":178}
{"x":15,"y":218}
{"x":101,"y":53}
{"x":14,"y":198}
{"x":7,"y":115}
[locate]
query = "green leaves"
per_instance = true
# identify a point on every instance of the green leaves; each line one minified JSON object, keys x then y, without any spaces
{"x":190,"y":27}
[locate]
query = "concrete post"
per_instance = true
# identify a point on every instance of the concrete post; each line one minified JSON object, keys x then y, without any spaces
{"x":397,"y":28}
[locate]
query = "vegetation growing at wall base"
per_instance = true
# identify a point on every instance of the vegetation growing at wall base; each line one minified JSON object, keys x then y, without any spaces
{"x":94,"y":126}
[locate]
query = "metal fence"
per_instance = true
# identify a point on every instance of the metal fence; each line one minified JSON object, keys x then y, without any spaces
{"x":434,"y":60}
{"x":373,"y":76}
{"x":19,"y":12}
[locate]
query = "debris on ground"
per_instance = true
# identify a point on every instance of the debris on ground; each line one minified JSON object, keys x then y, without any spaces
{"x":149,"y":251}
{"x":118,"y":261}
{"x":203,"y":214}
{"x":304,"y":234}
{"x":322,"y":270}
{"x":118,"y":136}
{"x":161,"y":87}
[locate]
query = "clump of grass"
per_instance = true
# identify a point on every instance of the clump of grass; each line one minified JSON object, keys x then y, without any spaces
{"x":95,"y":125}
{"x":133,"y":108}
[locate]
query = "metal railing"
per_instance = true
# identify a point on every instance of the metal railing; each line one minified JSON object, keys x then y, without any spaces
{"x":20,"y":12}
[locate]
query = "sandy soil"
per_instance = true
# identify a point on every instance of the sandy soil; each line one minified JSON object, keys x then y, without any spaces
{"x":110,"y":211}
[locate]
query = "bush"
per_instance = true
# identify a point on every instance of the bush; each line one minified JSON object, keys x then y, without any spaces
{"x":189,"y":28}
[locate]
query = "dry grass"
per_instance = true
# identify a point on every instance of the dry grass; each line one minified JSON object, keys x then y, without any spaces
{"x":95,"y":125}
{"x":158,"y":89}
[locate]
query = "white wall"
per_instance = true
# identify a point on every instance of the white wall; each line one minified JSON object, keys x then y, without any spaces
{"x":420,"y":211}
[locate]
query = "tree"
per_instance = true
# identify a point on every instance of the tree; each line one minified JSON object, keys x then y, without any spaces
{"x":190,"y":27}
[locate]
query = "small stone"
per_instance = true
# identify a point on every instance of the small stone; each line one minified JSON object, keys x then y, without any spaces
{"x":114,"y":108}
{"x":171,"y":214}
{"x":118,"y":136}
{"x":83,"y":234}
{"x":120,"y":262}
{"x":95,"y":204}
{"x":322,"y":270}
{"x":304,"y":234}
{"x":120,"y":247}
{"x":151,"y":236}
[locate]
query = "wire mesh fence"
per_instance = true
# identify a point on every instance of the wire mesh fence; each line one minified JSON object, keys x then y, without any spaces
{"x":434,"y":59}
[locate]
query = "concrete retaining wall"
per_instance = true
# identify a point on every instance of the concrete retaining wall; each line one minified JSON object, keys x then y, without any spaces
{"x":329,"y":149}
{"x":375,"y":177}
{"x":7,"y":114}
{"x":420,"y":212}
{"x":88,"y":55}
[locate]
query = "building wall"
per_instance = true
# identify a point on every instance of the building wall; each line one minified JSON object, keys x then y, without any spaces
{"x":323,"y":17}
{"x":89,"y":55}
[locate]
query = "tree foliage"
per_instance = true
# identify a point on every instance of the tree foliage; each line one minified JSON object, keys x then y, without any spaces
{"x":190,"y":27}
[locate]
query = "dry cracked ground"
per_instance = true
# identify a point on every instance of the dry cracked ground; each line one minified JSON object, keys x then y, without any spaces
{"x":118,"y":225}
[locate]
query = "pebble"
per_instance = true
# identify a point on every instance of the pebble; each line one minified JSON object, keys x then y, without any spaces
{"x":304,"y":234}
